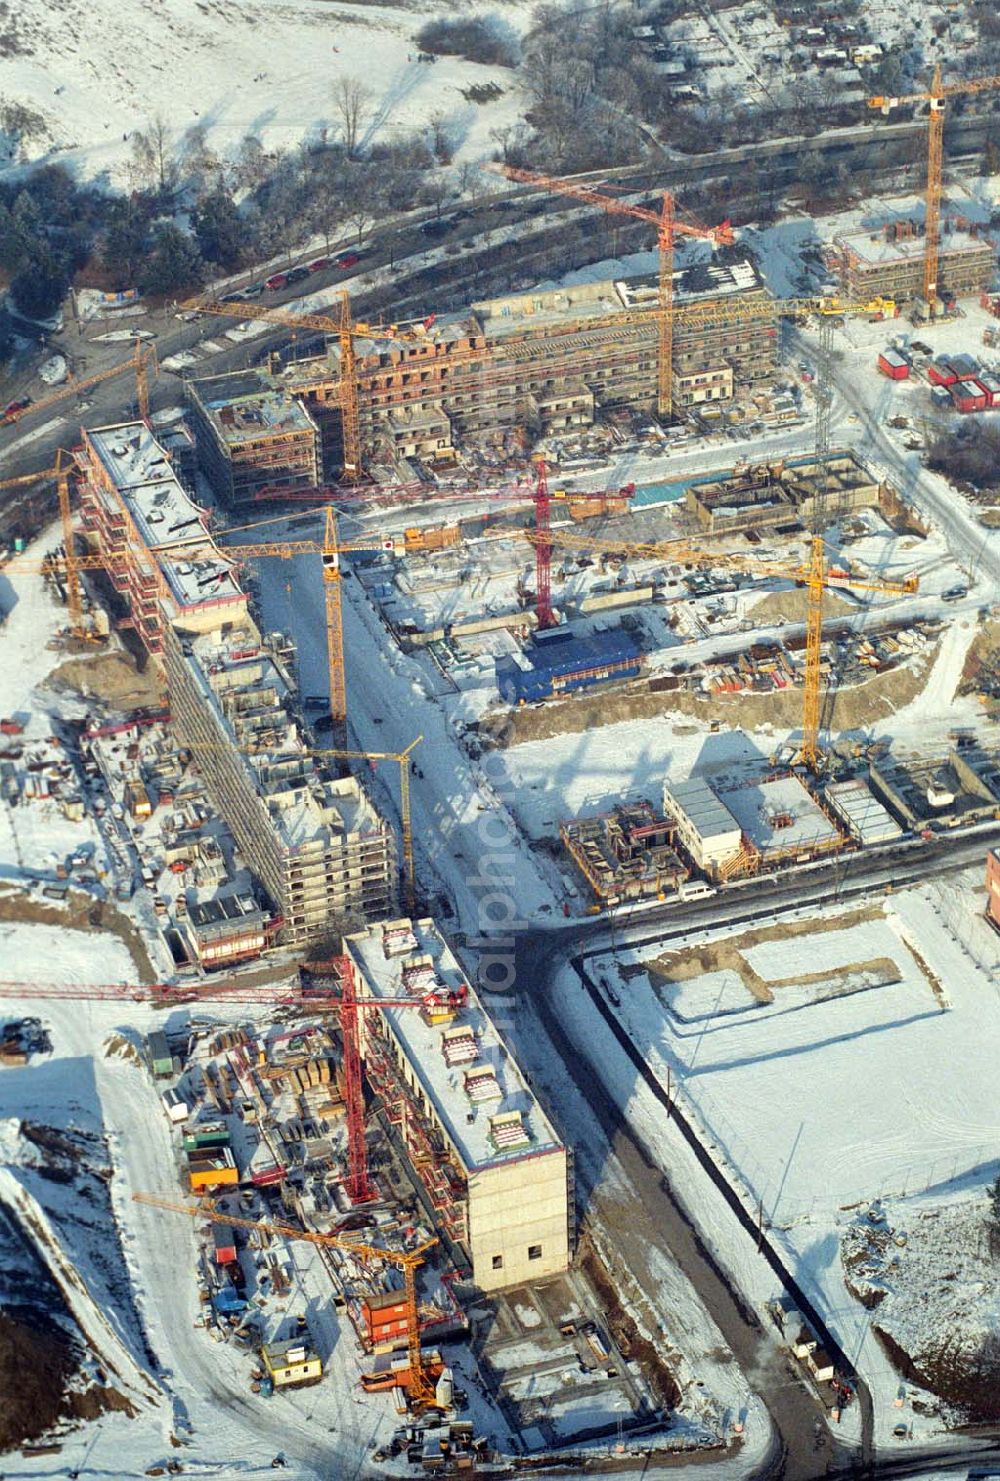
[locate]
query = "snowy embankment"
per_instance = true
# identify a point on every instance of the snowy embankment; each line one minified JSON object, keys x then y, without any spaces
{"x":267,"y":70}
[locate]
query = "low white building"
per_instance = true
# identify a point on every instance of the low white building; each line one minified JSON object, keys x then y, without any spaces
{"x":705,"y":826}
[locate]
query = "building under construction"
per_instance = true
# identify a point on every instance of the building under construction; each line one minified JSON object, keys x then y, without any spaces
{"x":496,"y":1176}
{"x":253,"y":436}
{"x":890,"y":263}
{"x":541,"y":361}
{"x":768,"y":495}
{"x":160,"y":555}
{"x":316,"y":844}
{"x":323,"y":853}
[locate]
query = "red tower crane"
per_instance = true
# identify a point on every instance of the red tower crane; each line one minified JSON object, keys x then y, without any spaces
{"x":543,"y":549}
{"x":341,"y":970}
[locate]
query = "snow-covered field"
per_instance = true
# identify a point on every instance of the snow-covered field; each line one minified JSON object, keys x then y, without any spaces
{"x":97,"y":71}
{"x":828,"y":1098}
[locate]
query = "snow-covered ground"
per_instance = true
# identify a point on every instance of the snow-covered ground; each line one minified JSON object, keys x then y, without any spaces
{"x":96,"y":73}
{"x":841,"y":1090}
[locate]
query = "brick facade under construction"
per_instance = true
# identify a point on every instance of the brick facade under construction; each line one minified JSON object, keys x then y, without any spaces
{"x":542,"y":361}
{"x":253,"y":437}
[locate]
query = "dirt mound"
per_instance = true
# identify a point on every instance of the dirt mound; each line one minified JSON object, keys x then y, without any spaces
{"x":36,"y":1363}
{"x":933,"y":1287}
{"x":858,"y":706}
{"x":109,"y":676}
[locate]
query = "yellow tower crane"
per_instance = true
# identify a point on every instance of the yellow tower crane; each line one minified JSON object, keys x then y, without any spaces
{"x":330,"y":550}
{"x":420,"y":1387}
{"x":61,"y":472}
{"x":936,"y":97}
{"x":346,"y":331}
{"x":815,"y":576}
{"x":402,"y":759}
{"x":668,"y":229}
{"x":141,"y":361}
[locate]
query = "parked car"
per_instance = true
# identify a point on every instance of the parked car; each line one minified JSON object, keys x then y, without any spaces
{"x":254,"y":291}
{"x":276,"y":281}
{"x":436,"y":228}
{"x":348,"y":259}
{"x":233,"y":297}
{"x":296,"y":274}
{"x":19,"y":404}
{"x":319,"y":263}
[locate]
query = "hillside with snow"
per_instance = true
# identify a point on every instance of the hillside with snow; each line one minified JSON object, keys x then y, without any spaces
{"x":96,"y":70}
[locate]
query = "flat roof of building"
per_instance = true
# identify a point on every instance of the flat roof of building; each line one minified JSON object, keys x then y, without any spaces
{"x":255,"y":414}
{"x":200,"y":576}
{"x":778,"y":814}
{"x":163,"y":512}
{"x":727,"y":271}
{"x":467,"y":1121}
{"x":862,"y":811}
{"x":225,"y":910}
{"x":696,"y":799}
{"x":873,"y":249}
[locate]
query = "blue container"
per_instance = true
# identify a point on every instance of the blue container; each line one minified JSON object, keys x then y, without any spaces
{"x":560,"y":662}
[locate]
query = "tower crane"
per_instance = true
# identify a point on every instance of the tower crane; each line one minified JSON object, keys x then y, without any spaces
{"x":936,"y":97}
{"x":330,"y":550}
{"x":815,"y":575}
{"x":668,"y":228}
{"x":420,"y":1388}
{"x":402,"y":759}
{"x":349,"y":1004}
{"x":142,"y":361}
{"x":61,"y":472}
{"x":346,"y":331}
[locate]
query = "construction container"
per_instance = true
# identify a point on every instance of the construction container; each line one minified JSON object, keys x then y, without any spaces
{"x":176,"y":1107}
{"x":559,"y":662}
{"x":894,"y":365}
{"x":224,"y":1244}
{"x":207,"y":1134}
{"x":160,"y":1057}
{"x":940,"y":373}
{"x":968,"y":396}
{"x":212,"y":1168}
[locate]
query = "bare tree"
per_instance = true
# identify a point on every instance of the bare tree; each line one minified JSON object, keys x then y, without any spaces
{"x":440,"y":138}
{"x":361,"y":219}
{"x":351,"y":99}
{"x":151,"y":154}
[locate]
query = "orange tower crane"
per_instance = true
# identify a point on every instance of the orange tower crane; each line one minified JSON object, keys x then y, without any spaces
{"x":71,"y":563}
{"x":420,"y":1387}
{"x":346,"y":331}
{"x":668,"y":228}
{"x":936,"y":97}
{"x":815,"y":576}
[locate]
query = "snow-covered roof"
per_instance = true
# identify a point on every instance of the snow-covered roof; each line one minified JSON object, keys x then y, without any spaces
{"x":201,"y":576}
{"x":140,"y":470}
{"x":778,"y":814}
{"x":468,"y":1119}
{"x":696,"y":799}
{"x":872,"y":248}
{"x":867,"y":819}
{"x":258,"y":414}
